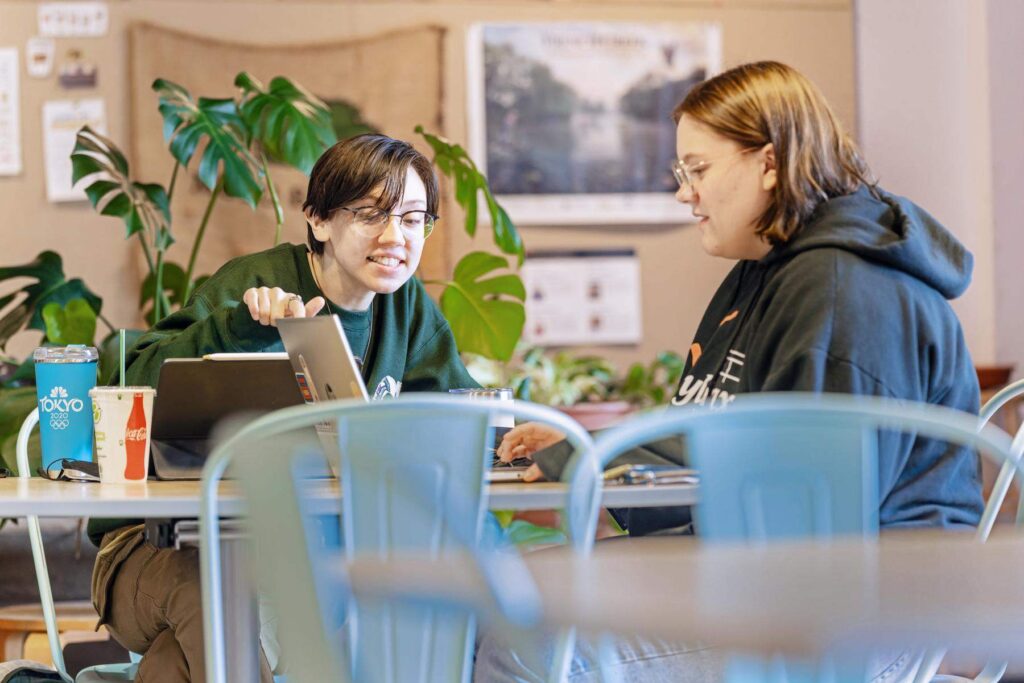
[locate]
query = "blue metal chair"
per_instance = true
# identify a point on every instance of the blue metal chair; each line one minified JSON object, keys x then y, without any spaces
{"x":413,"y":479}
{"x":93,"y":674}
{"x":1005,"y":478}
{"x":992,"y":672}
{"x":794,"y":465}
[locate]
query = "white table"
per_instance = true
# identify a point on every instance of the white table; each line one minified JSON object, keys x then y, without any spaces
{"x":910,"y":589}
{"x":181,"y":499}
{"x":45,"y":498}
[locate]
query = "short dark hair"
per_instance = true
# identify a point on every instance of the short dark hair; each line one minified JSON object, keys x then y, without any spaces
{"x":352,"y":168}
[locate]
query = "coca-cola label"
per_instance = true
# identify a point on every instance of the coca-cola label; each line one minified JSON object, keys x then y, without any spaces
{"x":137,"y":434}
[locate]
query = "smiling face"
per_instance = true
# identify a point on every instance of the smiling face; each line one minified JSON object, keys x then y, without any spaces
{"x":731,"y":189}
{"x":355,"y":266}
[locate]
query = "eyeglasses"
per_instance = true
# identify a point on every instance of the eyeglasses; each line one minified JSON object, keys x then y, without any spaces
{"x":372,"y":222}
{"x":687,"y":176}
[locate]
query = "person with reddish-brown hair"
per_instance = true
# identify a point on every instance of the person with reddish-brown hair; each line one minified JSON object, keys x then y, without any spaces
{"x":838,"y":286}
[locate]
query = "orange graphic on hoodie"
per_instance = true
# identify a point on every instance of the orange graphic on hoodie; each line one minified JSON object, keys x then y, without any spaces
{"x":731,"y":316}
{"x":695,"y":352}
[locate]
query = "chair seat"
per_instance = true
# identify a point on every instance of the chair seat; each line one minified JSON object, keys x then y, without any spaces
{"x":78,"y":615}
{"x":108,"y":672}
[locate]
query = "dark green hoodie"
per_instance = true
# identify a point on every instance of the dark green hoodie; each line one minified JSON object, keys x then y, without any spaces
{"x":855,"y":303}
{"x":403,"y":337}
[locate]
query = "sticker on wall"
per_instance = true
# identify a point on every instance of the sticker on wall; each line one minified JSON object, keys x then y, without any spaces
{"x":10,"y":125}
{"x":76,"y":72}
{"x":39,"y":56}
{"x":67,"y":19}
{"x":62,"y":119}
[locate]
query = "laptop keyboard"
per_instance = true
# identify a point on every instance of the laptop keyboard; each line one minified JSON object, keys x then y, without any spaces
{"x":518,"y":462}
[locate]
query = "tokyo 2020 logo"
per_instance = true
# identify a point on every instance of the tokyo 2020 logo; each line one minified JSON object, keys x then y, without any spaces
{"x":59,"y":407}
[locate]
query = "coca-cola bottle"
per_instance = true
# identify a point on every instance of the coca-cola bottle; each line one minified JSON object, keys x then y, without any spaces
{"x":135,"y":441}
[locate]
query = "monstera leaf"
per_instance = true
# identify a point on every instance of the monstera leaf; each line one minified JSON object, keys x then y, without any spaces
{"x":347,"y":121}
{"x":72,"y":323}
{"x":142,"y":206}
{"x":187,"y":123}
{"x":486,"y":314}
{"x":290,"y":123}
{"x":15,"y":405}
{"x":47,"y":270}
{"x":454,"y":162}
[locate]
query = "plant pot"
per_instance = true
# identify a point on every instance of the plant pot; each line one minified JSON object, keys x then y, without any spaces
{"x":598,"y":415}
{"x":993,"y":376}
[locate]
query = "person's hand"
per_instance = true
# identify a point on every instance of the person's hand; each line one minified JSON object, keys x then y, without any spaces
{"x":269,"y":304}
{"x":526,"y":439}
{"x":533,"y":473}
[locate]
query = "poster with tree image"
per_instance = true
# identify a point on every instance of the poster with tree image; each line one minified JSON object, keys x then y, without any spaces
{"x":572,"y":121}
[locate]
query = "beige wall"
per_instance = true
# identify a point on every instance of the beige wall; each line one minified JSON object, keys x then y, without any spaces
{"x":816,"y":36}
{"x":940,"y":97}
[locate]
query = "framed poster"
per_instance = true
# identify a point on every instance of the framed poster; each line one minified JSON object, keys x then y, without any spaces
{"x":571,"y":122}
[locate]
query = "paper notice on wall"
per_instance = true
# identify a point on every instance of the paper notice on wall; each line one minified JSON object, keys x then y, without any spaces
{"x":64,"y":19}
{"x":582,"y":297}
{"x":10,"y":105}
{"x":62,"y":119}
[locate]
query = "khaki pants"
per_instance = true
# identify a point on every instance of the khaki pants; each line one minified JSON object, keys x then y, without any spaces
{"x":150,"y":601}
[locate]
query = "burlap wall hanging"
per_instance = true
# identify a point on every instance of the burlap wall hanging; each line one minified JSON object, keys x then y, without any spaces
{"x":395,"y":80}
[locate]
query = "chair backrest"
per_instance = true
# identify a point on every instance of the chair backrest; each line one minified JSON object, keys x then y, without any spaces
{"x":112,"y":672}
{"x":413,"y":479}
{"x":1002,"y":484}
{"x":792,"y":464}
{"x":35,"y":535}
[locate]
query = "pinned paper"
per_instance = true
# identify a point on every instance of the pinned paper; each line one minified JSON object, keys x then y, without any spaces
{"x":67,"y":19}
{"x":62,"y":119}
{"x":39,"y":57}
{"x":10,"y":125}
{"x":76,"y":72}
{"x":582,"y":297}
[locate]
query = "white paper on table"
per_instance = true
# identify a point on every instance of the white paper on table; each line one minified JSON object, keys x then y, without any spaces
{"x":582,"y":297}
{"x":10,"y":103}
{"x":62,"y":119}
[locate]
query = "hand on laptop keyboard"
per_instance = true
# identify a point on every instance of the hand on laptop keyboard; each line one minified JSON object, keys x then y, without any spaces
{"x":518,"y":462}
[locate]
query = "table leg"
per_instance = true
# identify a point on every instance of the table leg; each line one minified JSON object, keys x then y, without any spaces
{"x":241,"y":617}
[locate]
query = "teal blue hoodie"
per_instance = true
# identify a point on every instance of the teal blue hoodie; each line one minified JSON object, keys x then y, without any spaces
{"x":856,"y":302}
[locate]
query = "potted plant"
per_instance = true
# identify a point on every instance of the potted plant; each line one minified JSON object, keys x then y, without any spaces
{"x":65,"y":310}
{"x":235,"y":138}
{"x":586,"y":387}
{"x":286,"y":123}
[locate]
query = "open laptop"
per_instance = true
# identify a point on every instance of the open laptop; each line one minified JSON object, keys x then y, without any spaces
{"x":326,"y":369}
{"x":194,"y":394}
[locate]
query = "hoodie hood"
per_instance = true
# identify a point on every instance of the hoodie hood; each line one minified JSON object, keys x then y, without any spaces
{"x":892,"y":232}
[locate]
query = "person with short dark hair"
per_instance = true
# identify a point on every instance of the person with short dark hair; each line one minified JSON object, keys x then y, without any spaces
{"x":371,"y":204}
{"x":839,"y":287}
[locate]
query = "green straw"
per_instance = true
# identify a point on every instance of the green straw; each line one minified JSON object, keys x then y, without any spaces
{"x":121,"y":344}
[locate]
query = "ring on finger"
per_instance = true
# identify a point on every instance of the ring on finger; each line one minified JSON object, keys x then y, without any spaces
{"x":294,"y":297}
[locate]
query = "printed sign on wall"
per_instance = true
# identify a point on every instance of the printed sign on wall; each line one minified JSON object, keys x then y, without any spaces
{"x":10,"y":125}
{"x":582,"y":297}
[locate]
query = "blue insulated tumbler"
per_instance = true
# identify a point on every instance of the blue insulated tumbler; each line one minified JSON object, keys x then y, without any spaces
{"x":64,"y":376}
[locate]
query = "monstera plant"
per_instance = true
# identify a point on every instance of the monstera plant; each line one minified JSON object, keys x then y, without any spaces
{"x":285,"y":123}
{"x":65,"y":310}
